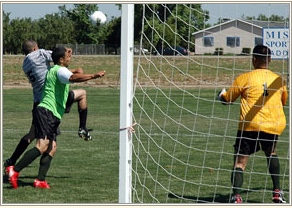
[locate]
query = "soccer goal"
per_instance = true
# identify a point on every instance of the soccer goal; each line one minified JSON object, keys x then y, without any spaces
{"x":181,"y":149}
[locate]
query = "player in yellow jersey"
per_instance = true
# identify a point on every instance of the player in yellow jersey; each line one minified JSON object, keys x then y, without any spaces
{"x":262,"y":119}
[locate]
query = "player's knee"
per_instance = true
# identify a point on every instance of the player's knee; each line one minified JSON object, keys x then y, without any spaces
{"x":42,"y":145}
{"x":79,"y":94}
{"x":54,"y":149}
{"x":83,"y":93}
{"x":240,"y":165}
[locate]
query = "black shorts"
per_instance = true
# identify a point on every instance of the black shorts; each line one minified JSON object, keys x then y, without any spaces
{"x":247,"y":142}
{"x":46,"y":124}
{"x":69,"y":103}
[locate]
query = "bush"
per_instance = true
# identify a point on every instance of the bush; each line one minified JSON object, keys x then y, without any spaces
{"x":218,"y":51}
{"x":246,"y":51}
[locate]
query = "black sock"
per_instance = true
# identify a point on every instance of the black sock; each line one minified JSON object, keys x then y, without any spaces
{"x":21,"y":147}
{"x":274,"y":169}
{"x":237,"y":180}
{"x":44,"y":166}
{"x":82,"y":117}
{"x":27,"y":158}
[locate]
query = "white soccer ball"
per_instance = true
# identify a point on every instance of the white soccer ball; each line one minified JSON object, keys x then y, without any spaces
{"x":98,"y":16}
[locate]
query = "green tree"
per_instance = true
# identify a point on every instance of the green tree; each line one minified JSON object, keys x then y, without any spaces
{"x":7,"y":33}
{"x":272,"y":18}
{"x":46,"y":31}
{"x":21,"y":30}
{"x":113,"y":37}
{"x":168,"y":23}
{"x":172,"y":24}
{"x":84,"y":31}
{"x":54,"y":29}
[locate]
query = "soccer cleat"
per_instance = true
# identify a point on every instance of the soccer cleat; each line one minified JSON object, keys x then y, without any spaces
{"x":6,"y":164}
{"x":236,"y":199}
{"x":40,"y":184}
{"x":84,"y":134}
{"x":8,"y":169}
{"x":13,"y":176}
{"x":278,"y":196}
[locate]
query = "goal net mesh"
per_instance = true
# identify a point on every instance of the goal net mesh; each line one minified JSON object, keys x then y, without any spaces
{"x":183,"y":144}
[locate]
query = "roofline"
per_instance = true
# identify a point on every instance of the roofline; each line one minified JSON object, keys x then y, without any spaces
{"x":209,"y":28}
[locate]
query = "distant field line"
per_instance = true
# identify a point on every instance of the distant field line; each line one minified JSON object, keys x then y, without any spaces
{"x":204,"y":135}
{"x":117,"y":133}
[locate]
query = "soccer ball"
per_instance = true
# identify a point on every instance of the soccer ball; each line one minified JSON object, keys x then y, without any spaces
{"x":98,"y":16}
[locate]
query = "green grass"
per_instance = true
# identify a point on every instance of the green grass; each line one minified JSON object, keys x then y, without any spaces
{"x":198,"y":161}
{"x":81,"y":172}
{"x":187,"y":133}
{"x":87,"y":172}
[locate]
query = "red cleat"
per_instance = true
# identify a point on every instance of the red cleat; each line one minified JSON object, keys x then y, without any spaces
{"x":7,"y":170}
{"x":278,"y":196}
{"x":40,"y":184}
{"x":13,"y":176}
{"x":236,"y":199}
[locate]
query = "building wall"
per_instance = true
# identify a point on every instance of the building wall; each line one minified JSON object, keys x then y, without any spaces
{"x":246,"y":32}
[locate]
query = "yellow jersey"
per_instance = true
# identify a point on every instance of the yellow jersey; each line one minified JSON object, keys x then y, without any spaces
{"x":263,"y":94}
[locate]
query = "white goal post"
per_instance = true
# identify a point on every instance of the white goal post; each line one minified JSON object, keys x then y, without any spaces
{"x":126,"y":95}
{"x":182,"y":150}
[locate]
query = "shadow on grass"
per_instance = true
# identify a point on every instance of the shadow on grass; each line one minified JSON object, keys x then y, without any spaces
{"x":220,"y":198}
{"x":21,"y":183}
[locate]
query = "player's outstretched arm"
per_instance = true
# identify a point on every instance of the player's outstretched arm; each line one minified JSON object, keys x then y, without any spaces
{"x":77,"y":77}
{"x":76,"y":71}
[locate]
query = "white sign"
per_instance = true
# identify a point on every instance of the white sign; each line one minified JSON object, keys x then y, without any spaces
{"x":277,"y":39}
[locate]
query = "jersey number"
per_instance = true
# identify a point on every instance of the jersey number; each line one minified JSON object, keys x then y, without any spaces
{"x":265,"y":90}
{"x":30,"y":76}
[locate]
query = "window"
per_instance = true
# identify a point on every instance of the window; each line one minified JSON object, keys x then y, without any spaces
{"x":233,"y":41}
{"x":258,"y":40}
{"x":208,"y":41}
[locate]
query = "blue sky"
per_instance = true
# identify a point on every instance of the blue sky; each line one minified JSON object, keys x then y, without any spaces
{"x":216,"y":10}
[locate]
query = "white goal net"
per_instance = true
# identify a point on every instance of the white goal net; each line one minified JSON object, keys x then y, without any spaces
{"x":183,"y":144}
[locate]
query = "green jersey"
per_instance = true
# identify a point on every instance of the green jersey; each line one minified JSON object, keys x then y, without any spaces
{"x":55,"y":93}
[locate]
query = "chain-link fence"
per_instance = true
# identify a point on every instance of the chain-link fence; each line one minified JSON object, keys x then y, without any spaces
{"x":86,"y":49}
{"x":98,"y":49}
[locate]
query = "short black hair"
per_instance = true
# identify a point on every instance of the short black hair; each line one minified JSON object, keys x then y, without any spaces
{"x":58,"y":53}
{"x":261,"y":52}
{"x":27,"y":46}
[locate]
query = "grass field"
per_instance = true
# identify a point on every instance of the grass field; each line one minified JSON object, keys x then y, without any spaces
{"x":87,"y":172}
{"x":195,"y":166}
{"x":81,"y":172}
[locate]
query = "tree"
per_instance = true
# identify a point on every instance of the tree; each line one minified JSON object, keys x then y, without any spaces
{"x":7,"y":31}
{"x":55,"y":29}
{"x":272,"y":18}
{"x":84,"y":31}
{"x":162,"y":22}
{"x":21,"y":30}
{"x":113,"y":37}
{"x":170,"y":24}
